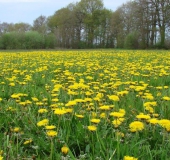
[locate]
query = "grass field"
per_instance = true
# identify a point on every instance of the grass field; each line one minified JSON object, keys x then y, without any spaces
{"x":94,"y":105}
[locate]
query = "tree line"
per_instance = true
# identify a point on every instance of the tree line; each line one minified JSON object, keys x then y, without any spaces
{"x":137,"y":24}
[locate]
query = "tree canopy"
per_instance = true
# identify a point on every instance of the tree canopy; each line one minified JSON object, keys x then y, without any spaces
{"x":137,"y":24}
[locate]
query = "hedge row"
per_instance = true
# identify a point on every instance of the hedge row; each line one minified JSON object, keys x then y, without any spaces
{"x":27,"y":40}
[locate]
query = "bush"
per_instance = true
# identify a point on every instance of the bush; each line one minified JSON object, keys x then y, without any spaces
{"x":27,"y":40}
{"x":131,"y":41}
{"x":1,"y":44}
{"x":50,"y":41}
{"x":158,"y":45}
{"x":33,"y":40}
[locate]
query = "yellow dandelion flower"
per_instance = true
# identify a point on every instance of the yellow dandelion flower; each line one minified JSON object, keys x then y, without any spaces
{"x":35,"y":99}
{"x":122,"y":93}
{"x":100,"y":95}
{"x":43,"y":122}
{"x":103,"y":115}
{"x":143,"y":116}
{"x":165,"y":123}
{"x":149,"y":97}
{"x":95,"y":121}
{"x":149,"y":104}
{"x":69,"y":110}
{"x":71,"y":103}
{"x":15,"y":96}
{"x":11,"y":84}
{"x":166,"y":98}
{"x":122,"y":111}
{"x":114,"y":98}
{"x":27,"y":141}
{"x":51,"y":133}
{"x":94,"y":114}
{"x":87,"y":99}
{"x":150,"y":109}
{"x":159,"y":88}
{"x":59,"y":111}
{"x":1,"y":158}
{"x":117,"y":114}
{"x":116,"y":123}
{"x":16,"y":129}
{"x":79,"y":115}
{"x":153,"y":121}
{"x":39,"y":103}
{"x":104,"y":107}
{"x":50,"y":127}
{"x":55,"y":100}
{"x":92,"y":128}
{"x":136,"y":126}
{"x":42,"y":111}
{"x":155,"y":115}
{"x":129,"y":158}
{"x":64,"y":150}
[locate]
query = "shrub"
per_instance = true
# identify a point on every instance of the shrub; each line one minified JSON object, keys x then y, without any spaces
{"x":27,"y":40}
{"x":131,"y":41}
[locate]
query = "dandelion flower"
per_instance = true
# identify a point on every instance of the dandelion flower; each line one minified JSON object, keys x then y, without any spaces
{"x":117,"y":114}
{"x":42,"y":111}
{"x":1,"y":158}
{"x":43,"y":122}
{"x":79,"y":115}
{"x":50,"y":127}
{"x":143,"y":116}
{"x":114,"y":98}
{"x":136,"y":126}
{"x":71,"y":103}
{"x":51,"y":133}
{"x":129,"y":158}
{"x":153,"y":121}
{"x":95,"y":120}
{"x":165,"y":123}
{"x":35,"y":99}
{"x":27,"y":141}
{"x":92,"y":128}
{"x":104,"y":108}
{"x":59,"y":111}
{"x":16,"y":129}
{"x":166,"y":98}
{"x":64,"y":150}
{"x":117,"y":122}
{"x":103,"y":115}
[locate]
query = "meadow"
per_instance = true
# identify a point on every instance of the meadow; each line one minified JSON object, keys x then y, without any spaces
{"x":85,"y":105}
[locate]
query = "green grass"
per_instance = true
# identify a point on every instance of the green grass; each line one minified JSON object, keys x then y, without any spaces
{"x":85,"y":78}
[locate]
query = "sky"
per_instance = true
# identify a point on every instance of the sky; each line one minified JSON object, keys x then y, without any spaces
{"x":15,"y":11}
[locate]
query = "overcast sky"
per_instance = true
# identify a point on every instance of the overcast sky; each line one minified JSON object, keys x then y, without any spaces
{"x":14,"y":11}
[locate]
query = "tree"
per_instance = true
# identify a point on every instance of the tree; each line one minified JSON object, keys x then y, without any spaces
{"x":62,"y":25}
{"x":22,"y":27}
{"x":91,"y":9}
{"x":162,"y":12}
{"x":40,"y":25}
{"x":6,"y":27}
